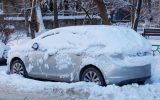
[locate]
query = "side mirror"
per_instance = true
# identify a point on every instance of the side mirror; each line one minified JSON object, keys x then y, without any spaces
{"x":35,"y":46}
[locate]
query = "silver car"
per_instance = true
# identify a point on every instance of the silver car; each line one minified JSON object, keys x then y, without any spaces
{"x":94,"y":53}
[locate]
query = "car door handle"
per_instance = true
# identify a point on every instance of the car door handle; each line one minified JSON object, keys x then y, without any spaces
{"x":78,"y":54}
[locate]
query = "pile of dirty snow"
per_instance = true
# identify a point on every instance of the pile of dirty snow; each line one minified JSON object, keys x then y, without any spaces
{"x":14,"y":87}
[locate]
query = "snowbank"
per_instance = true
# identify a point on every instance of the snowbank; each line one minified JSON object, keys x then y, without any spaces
{"x":17,"y":88}
{"x":13,"y":85}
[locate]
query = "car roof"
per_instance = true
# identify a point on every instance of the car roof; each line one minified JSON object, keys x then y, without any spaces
{"x":113,"y":38}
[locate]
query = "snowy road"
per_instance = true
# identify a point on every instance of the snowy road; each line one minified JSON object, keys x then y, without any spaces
{"x":14,"y":87}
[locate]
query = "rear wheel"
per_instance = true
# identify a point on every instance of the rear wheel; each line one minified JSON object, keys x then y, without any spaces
{"x":17,"y":67}
{"x":92,"y":75}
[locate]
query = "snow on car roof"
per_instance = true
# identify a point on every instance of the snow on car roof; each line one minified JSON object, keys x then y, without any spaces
{"x":112,"y":39}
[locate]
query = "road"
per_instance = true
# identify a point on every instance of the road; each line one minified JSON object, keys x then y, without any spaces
{"x":14,"y":87}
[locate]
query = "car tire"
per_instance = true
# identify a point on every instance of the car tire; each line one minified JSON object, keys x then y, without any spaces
{"x":92,"y":74}
{"x":18,"y":67}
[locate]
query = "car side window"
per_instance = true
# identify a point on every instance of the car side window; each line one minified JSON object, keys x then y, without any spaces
{"x":47,"y":35}
{"x":50,"y":35}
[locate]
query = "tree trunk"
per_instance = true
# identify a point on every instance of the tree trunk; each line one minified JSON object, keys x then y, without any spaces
{"x":87,"y":13}
{"x":103,"y":11}
{"x":56,"y":23}
{"x":137,"y":14}
{"x":5,"y":2}
{"x":39,"y":17}
{"x":33,"y":21}
{"x":150,"y":9}
{"x":26,"y":18}
{"x":36,"y":23}
{"x":133,"y":2}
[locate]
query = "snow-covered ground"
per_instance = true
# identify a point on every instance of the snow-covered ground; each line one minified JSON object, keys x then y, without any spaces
{"x":14,"y":87}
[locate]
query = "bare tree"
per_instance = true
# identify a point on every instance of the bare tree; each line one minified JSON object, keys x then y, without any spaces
{"x":86,"y":11}
{"x":33,"y":21}
{"x":26,"y":17}
{"x":40,"y":22}
{"x":137,"y":14}
{"x":103,"y":12}
{"x":56,"y":23}
{"x":36,"y":23}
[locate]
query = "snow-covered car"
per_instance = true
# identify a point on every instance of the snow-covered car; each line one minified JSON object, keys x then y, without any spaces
{"x":3,"y":52}
{"x":94,"y":53}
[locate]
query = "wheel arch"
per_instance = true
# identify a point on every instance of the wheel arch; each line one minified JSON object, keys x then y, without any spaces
{"x":13,"y":59}
{"x":88,"y":66}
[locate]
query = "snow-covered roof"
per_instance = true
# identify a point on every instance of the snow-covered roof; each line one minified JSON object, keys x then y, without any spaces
{"x":111,"y":39}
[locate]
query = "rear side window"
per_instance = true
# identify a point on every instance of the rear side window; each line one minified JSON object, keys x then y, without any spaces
{"x":50,"y":35}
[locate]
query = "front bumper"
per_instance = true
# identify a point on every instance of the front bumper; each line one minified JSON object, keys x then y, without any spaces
{"x":3,"y":61}
{"x":125,"y":75}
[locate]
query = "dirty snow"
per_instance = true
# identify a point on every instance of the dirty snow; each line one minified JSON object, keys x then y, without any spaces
{"x":14,"y":87}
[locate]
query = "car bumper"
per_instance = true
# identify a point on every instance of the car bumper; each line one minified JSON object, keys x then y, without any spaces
{"x":3,"y":61}
{"x":125,"y":75}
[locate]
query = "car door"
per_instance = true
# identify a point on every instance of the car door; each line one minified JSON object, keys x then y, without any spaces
{"x":67,"y":61}
{"x":40,"y":61}
{"x":67,"y":65}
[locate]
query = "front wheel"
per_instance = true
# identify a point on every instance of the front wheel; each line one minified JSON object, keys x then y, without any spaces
{"x":17,"y":67}
{"x":93,"y":75}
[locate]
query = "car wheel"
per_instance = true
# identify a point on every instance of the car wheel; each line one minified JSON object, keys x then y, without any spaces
{"x":93,"y":75}
{"x":17,"y":67}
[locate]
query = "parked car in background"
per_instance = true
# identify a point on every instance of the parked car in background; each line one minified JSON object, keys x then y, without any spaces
{"x":95,"y":53}
{"x":3,"y":53}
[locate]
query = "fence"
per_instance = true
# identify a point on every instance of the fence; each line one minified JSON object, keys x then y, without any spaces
{"x":156,"y":50}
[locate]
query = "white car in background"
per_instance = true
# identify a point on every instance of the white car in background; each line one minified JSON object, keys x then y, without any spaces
{"x":94,"y":53}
